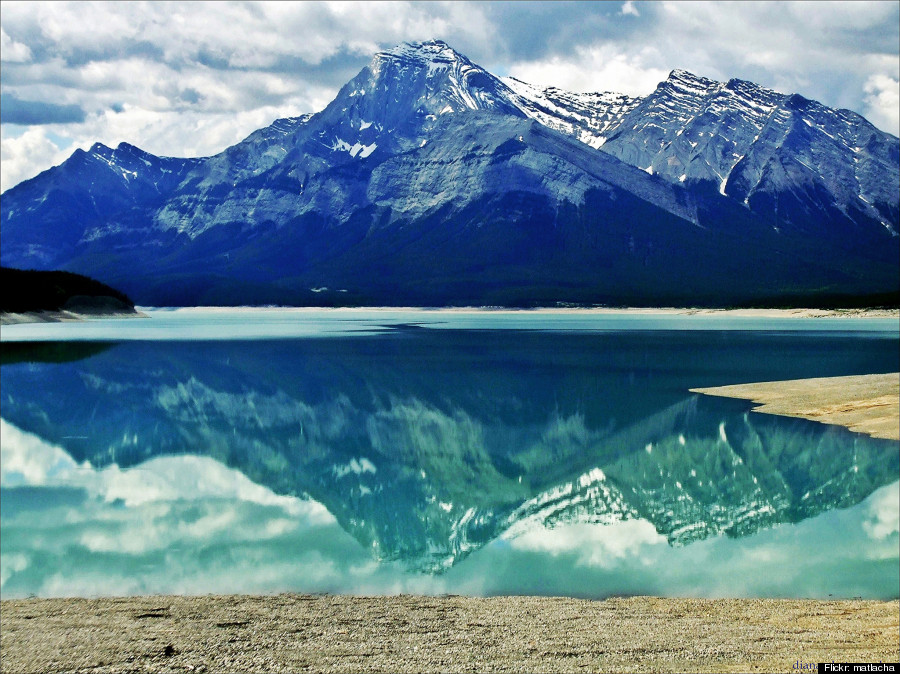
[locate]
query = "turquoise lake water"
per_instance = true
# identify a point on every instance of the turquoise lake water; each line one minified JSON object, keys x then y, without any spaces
{"x":372,"y":452}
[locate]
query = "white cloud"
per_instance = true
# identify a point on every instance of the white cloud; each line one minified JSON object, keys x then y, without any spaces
{"x":172,"y":525}
{"x":883,"y":102}
{"x":599,"y":545}
{"x":26,"y":459}
{"x":238,"y":34}
{"x":827,"y":15}
{"x":24,"y":156}
{"x":178,"y":133}
{"x":596,"y":68}
{"x":884,"y":513}
{"x":629,"y":9}
{"x":820,"y":50}
{"x":193,"y":78}
{"x":189,"y":525}
{"x":12,"y":51}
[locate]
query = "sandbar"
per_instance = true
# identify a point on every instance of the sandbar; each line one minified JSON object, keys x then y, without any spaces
{"x":867,"y":404}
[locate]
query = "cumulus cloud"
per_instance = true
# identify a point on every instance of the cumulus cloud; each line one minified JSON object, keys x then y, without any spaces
{"x":594,"y":545}
{"x":192,"y":525}
{"x":825,"y":51}
{"x":181,"y":524}
{"x":629,"y":557}
{"x":597,"y":68}
{"x":12,"y":51}
{"x":27,"y":460}
{"x":884,"y":513}
{"x":192,"y":79}
{"x":883,"y":102}
{"x":25,"y":155}
{"x":629,"y":8}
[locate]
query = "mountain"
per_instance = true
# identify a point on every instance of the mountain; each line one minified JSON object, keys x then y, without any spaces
{"x":429,"y":181}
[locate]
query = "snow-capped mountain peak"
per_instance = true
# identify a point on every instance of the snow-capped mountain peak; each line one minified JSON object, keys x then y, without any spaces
{"x":589,"y":117}
{"x":688,"y":82}
{"x":395,"y":101}
{"x":429,"y":51}
{"x":444,"y":80}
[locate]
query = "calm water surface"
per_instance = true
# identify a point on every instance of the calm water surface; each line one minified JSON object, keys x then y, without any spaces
{"x":437,"y":452}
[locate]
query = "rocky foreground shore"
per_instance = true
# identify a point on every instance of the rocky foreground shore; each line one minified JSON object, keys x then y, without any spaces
{"x":304,"y":633}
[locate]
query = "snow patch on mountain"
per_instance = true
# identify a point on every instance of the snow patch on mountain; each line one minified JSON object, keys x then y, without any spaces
{"x":586,"y":116}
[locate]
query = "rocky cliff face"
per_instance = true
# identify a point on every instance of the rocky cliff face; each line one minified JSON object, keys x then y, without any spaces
{"x":430,"y":181}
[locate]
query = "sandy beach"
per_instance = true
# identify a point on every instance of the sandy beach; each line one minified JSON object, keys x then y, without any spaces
{"x":323,"y":633}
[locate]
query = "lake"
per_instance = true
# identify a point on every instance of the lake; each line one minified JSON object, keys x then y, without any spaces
{"x":478,"y":453}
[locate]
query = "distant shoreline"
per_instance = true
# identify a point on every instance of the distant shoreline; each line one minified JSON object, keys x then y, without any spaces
{"x":62,"y":316}
{"x":669,"y":311}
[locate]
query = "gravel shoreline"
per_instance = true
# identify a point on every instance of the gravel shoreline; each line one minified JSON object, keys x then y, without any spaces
{"x":314,"y":633}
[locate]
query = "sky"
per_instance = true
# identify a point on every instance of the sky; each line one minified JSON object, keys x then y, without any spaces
{"x":188,"y":79}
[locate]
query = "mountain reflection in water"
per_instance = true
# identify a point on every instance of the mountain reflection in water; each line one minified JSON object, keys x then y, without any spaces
{"x":427,"y":445}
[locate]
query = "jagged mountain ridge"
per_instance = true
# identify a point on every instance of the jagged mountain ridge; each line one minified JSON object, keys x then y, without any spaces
{"x":696,"y":129}
{"x":358,"y":198}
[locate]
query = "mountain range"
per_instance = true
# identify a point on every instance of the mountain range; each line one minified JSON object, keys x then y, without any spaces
{"x":430,"y":181}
